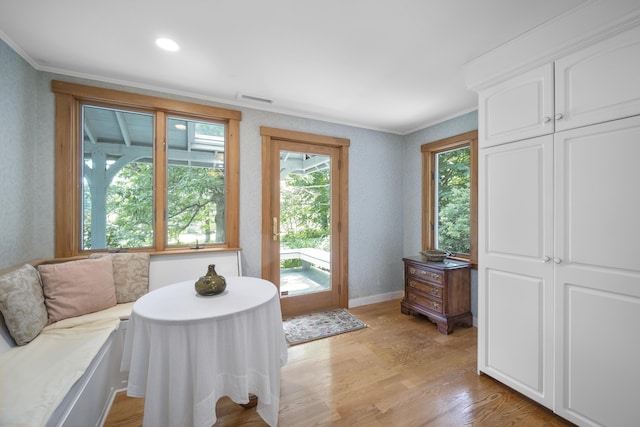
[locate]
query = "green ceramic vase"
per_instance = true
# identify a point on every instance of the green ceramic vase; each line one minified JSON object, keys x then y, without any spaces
{"x":211,"y":283}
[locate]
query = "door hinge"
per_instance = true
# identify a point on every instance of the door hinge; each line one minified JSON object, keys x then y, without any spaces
{"x":339,"y":289}
{"x":339,"y":227}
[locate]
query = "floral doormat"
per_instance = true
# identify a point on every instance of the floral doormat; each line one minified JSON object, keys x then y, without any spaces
{"x":309,"y":327}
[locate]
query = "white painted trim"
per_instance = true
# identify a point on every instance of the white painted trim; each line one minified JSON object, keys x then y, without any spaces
{"x":89,"y":400}
{"x":372,"y":299}
{"x":442,"y":120}
{"x":18,"y":49}
{"x":583,"y":25}
{"x":167,"y":269}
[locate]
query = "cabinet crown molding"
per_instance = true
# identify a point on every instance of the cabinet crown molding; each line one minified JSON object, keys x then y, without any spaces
{"x":587,"y":23}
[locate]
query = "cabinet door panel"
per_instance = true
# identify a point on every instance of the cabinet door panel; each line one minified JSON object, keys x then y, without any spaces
{"x":517,"y":199}
{"x":518,"y":108}
{"x":519,"y":333}
{"x":598,"y":350}
{"x":598,"y":199}
{"x":599,"y":83}
{"x":598,"y":277}
{"x":515,"y":284}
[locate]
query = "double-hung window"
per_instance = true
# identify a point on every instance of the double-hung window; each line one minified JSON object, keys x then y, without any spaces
{"x":450,"y":196}
{"x":136,"y":172}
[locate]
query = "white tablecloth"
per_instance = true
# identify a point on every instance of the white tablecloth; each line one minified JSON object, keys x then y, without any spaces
{"x":184,"y":351}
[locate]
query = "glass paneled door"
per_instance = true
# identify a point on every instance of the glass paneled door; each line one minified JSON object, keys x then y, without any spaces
{"x":304,"y":225}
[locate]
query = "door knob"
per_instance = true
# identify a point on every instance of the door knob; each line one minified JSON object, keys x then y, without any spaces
{"x":559,"y":116}
{"x":546,"y":258}
{"x":557,"y":260}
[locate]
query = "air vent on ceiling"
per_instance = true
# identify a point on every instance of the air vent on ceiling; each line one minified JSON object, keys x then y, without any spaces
{"x":255,"y":98}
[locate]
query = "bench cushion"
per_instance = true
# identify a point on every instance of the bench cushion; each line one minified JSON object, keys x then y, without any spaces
{"x":22,"y":303}
{"x":120,"y":312}
{"x":37,"y":377}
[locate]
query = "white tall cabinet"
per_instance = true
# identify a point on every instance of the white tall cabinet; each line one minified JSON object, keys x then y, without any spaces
{"x":559,"y":228}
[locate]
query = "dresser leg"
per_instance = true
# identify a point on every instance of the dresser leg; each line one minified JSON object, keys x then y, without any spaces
{"x":444,"y":327}
{"x":404,"y":309}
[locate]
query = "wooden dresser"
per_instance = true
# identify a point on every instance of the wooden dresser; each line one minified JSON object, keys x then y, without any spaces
{"x":440,"y":291}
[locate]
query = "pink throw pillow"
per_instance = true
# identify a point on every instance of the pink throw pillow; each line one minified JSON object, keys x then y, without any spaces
{"x":78,"y":287}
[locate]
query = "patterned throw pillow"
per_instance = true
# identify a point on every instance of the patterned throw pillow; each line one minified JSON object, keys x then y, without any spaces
{"x":22,"y":303}
{"x":130,"y":274}
{"x":75,"y":288}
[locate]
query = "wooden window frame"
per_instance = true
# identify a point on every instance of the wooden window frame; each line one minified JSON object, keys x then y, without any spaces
{"x":429,"y":150}
{"x":69,"y":100}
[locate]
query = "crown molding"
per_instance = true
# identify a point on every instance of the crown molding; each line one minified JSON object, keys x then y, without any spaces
{"x":590,"y":22}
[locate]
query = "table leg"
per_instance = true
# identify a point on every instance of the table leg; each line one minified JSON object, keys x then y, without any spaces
{"x":253,"y":401}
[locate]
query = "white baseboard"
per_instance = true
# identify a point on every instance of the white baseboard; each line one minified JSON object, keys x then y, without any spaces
{"x":357,"y":302}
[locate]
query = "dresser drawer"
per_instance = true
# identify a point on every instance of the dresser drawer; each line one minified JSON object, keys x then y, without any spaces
{"x":433,"y":290}
{"x":425,"y":274}
{"x":427,"y":303}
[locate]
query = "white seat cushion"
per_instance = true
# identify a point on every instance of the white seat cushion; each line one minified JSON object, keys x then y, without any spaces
{"x":35,"y":378}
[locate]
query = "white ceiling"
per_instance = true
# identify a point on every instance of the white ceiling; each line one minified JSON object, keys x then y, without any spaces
{"x":390,"y":65}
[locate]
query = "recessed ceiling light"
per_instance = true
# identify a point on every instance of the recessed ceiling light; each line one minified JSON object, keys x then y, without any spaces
{"x":167,"y":44}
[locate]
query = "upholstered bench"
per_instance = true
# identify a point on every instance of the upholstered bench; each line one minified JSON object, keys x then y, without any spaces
{"x":62,"y":337}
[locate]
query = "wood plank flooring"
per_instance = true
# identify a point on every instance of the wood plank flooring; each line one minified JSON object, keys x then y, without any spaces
{"x":397,"y":372}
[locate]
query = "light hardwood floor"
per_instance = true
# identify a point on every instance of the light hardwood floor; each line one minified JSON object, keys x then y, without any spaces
{"x":397,"y":372}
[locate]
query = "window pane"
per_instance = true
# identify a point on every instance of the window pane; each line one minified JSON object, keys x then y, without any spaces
{"x":305,"y":223}
{"x":196,"y":182}
{"x":453,"y":198}
{"x":117,"y":178}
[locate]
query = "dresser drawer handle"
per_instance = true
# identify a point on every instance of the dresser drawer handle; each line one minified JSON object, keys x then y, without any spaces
{"x":433,"y":276}
{"x":434,"y":305}
{"x":432,"y":290}
{"x":427,"y":274}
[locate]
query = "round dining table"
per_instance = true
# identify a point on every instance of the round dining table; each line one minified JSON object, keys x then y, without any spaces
{"x":184,"y":351}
